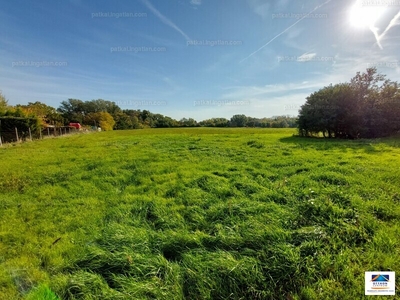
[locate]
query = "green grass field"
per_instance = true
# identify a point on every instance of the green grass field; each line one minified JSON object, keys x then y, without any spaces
{"x":198,"y":213}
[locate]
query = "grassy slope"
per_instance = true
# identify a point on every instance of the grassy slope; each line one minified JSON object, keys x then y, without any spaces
{"x":197,"y":214}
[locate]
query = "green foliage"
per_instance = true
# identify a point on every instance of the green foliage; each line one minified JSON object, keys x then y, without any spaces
{"x":188,"y":122}
{"x":135,"y":121}
{"x":89,"y":112}
{"x":16,"y":119}
{"x":75,"y":110}
{"x":273,"y":122}
{"x":238,"y":121}
{"x":160,"y":121}
{"x":101,"y":119}
{"x":367,"y":107}
{"x":123,"y":121}
{"x":46,"y":114}
{"x":3,"y":104}
{"x":215,"y":122}
{"x":42,"y":292}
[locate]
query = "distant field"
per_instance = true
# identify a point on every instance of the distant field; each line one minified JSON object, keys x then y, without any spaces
{"x":198,"y":213}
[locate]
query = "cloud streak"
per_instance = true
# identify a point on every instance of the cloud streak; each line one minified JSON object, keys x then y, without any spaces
{"x":195,"y":2}
{"x":164,"y":19}
{"x":306,"y":57}
{"x":392,"y":23}
{"x":278,"y":35}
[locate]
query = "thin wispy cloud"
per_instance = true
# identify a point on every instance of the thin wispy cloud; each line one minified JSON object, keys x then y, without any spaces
{"x":254,"y":92}
{"x":306,"y":57}
{"x":195,"y":2}
{"x":164,"y":19}
{"x":278,"y":35}
{"x":393,"y":22}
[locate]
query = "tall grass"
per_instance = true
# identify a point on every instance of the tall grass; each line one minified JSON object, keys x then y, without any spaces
{"x":197,"y":213}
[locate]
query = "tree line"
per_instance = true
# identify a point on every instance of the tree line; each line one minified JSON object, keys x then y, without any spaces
{"x":366,"y":107}
{"x":109,"y":116}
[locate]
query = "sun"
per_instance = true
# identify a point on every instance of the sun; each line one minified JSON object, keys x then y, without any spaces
{"x":365,"y":16}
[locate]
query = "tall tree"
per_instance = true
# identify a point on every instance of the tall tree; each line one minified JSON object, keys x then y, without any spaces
{"x":101,"y":105}
{"x":72,"y":110}
{"x":367,"y":88}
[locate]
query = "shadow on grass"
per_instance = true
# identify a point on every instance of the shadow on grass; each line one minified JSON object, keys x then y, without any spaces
{"x":320,"y":143}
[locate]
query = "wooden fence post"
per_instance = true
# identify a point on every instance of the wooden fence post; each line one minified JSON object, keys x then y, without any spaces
{"x":48,"y":131}
{"x":16,"y":133}
{"x":30,"y":133}
{"x":40,"y":133}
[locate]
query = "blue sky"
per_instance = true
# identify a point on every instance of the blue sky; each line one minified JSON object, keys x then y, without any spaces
{"x":147,"y":54}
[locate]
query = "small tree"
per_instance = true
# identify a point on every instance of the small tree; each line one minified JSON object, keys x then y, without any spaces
{"x":102,"y":119}
{"x":238,"y":121}
{"x":3,"y":104}
{"x":106,"y":121}
{"x":188,"y":122}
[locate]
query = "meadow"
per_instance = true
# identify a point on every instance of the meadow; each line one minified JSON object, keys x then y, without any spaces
{"x":197,"y":213}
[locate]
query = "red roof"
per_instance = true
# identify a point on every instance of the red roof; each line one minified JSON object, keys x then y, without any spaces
{"x":76,"y":125}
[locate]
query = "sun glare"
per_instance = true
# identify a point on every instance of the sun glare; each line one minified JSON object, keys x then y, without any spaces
{"x":365,"y":16}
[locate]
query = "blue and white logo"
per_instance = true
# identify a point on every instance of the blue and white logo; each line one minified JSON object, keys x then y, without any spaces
{"x":380,"y":283}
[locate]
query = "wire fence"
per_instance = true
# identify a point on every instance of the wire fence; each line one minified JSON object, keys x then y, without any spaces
{"x":17,"y":135}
